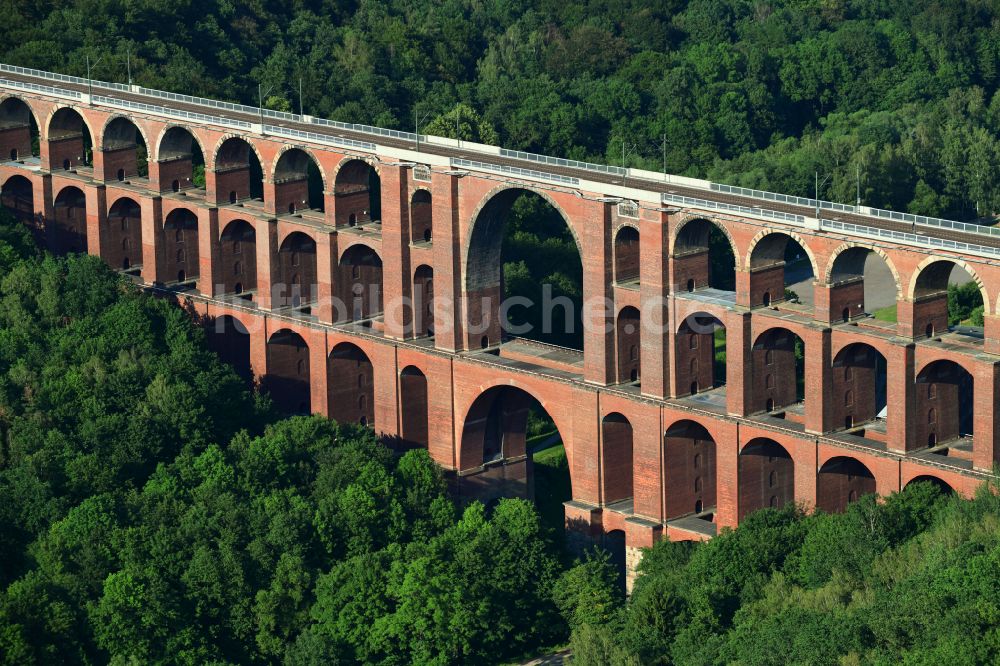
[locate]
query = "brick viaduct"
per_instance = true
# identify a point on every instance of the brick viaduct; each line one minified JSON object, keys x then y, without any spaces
{"x":408,"y":236}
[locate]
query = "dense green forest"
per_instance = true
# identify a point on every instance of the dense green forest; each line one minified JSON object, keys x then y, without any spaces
{"x":897,"y":97}
{"x":911,"y":580}
{"x":153,"y":510}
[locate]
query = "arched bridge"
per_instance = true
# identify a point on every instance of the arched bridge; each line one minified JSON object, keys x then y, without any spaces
{"x":356,"y":272}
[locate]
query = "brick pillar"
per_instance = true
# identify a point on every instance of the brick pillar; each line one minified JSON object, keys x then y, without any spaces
{"x":386,"y":371}
{"x":98,"y":164}
{"x":818,"y":371}
{"x":742,"y":287}
{"x":211,"y":187}
{"x":805,"y":456}
{"x":270,"y":192}
{"x":991,"y":324}
{"x":984,"y":429}
{"x":446,"y":246}
{"x":904,"y":319}
{"x":639,"y":534}
{"x":258,"y":347}
{"x":396,"y":281}
{"x":154,"y":173}
{"x":654,"y":266}
{"x":647,"y":470}
{"x":738,"y":363}
{"x":208,"y":248}
{"x":326,"y":265}
{"x":901,"y":398}
{"x":151,"y":210}
{"x":43,"y":150}
{"x":97,"y":207}
{"x":727,"y":450}
{"x":441,"y":444}
{"x":594,"y":226}
{"x":584,"y":526}
{"x":267,"y":254}
{"x":44,"y":204}
{"x":585,"y":458}
{"x":318,"y":371}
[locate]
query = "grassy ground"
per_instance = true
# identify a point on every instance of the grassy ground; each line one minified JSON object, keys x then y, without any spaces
{"x":887,"y":313}
{"x":552,"y":487}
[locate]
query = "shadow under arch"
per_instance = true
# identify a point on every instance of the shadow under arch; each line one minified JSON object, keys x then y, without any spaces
{"x":19,"y":135}
{"x":856,"y":277}
{"x":495,"y":442}
{"x":777,"y":260}
{"x":704,"y":255}
{"x":766,"y":476}
{"x":351,"y":382}
{"x":689,"y":455}
{"x":842,"y":480}
{"x":229,"y":338}
{"x":541,"y":265}
{"x":287,"y":379}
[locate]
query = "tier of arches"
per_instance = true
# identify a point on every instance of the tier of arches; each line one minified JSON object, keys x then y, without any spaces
{"x":300,"y":182}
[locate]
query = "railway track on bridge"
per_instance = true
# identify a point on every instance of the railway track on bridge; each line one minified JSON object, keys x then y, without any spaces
{"x":637,"y":182}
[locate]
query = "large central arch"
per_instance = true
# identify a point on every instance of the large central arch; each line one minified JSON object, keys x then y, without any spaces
{"x":486,"y":284}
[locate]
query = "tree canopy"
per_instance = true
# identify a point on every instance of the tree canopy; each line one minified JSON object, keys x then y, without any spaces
{"x":896,"y":101}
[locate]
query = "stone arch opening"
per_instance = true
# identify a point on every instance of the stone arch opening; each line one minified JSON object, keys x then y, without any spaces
{"x":421,"y":217}
{"x":180,"y":243}
{"x":17,"y":196}
{"x":423,"y":301}
{"x":496,"y":426}
{"x":628,"y":347}
{"x":287,"y":380}
{"x":360,"y":283}
{"x":69,"y":139}
{"x":689,"y":455}
{"x":19,"y":136}
{"x":766,"y":476}
{"x":945,"y":294}
{"x":351,"y":385}
{"x":944,"y":406}
{"x":779,"y":375}
{"x":627,"y":256}
{"x":230,"y":340}
{"x":861,"y":281}
{"x":514,"y":441}
{"x":122,"y":239}
{"x":180,"y":160}
{"x":943,"y":486}
{"x":296,"y":285}
{"x":357,"y":192}
{"x":238,"y":259}
{"x":859,"y":387}
{"x":298,"y":183}
{"x":523,"y":255}
{"x":703,"y":257}
{"x":840,"y":481}
{"x":68,"y":231}
{"x":239,"y":175}
{"x":125,"y":153}
{"x":413,"y":406}
{"x":780,"y":270}
{"x":700,"y":346}
{"x":616,"y":459}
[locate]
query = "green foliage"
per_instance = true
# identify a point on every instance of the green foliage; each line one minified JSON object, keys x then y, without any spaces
{"x":917,"y":584}
{"x":965,"y":302}
{"x":153,"y":511}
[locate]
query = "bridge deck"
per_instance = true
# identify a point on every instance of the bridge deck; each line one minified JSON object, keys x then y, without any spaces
{"x":582,"y":174}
